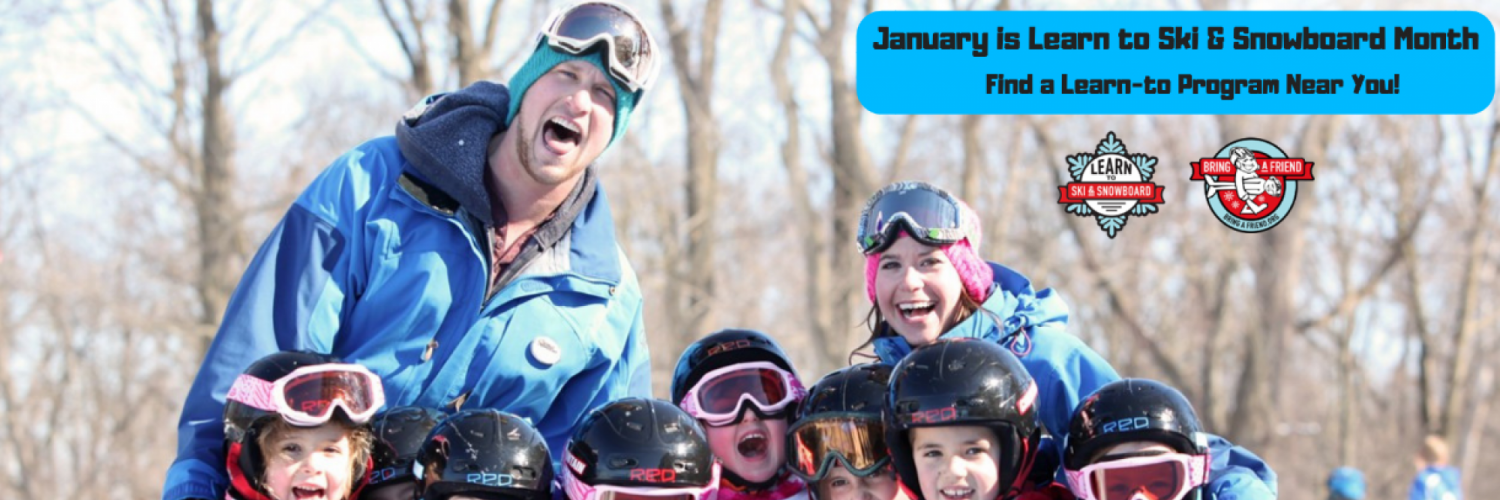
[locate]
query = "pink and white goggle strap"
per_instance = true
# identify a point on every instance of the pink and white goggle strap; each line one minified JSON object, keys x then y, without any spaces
{"x":576,"y":489}
{"x":253,"y":392}
{"x":795,"y":392}
{"x":1197,"y":467}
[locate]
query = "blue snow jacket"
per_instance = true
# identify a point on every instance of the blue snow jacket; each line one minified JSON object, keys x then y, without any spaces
{"x":1436,"y":483}
{"x":1033,"y":326}
{"x":386,"y":263}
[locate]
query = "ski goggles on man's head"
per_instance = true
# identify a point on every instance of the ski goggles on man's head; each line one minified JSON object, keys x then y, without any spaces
{"x":307,"y":396}
{"x":630,"y":49}
{"x":927,"y":213}
{"x":575,"y":489}
{"x":1156,"y":476}
{"x":719,"y":397}
{"x":855,"y":441}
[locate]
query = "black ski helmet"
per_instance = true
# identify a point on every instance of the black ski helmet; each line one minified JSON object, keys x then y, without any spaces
{"x":857,"y":391}
{"x":638,"y":442}
{"x":484,"y":452}
{"x":964,"y":382}
{"x":243,"y":425}
{"x":720,"y":349}
{"x":399,"y":434}
{"x":1133,"y":409}
{"x":860,"y":388}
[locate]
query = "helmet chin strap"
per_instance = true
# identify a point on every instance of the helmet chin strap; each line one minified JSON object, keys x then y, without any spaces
{"x":241,"y":487}
{"x":739,"y":482}
{"x":781,"y":486}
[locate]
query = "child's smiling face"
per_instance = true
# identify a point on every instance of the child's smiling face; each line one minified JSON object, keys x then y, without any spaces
{"x":957,"y":463}
{"x":309,"y":463}
{"x":754,"y":449}
{"x":841,"y":484}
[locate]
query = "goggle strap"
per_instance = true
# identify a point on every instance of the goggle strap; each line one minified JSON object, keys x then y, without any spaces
{"x":1198,"y":470}
{"x":253,"y":392}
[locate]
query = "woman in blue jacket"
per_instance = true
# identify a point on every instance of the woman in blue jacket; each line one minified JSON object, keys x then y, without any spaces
{"x":925,"y":277}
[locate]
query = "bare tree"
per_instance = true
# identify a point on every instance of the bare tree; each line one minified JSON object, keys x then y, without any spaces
{"x":411,"y":32}
{"x":214,"y":199}
{"x":470,"y":54}
{"x":854,"y":179}
{"x":695,"y":78}
{"x":1467,"y":314}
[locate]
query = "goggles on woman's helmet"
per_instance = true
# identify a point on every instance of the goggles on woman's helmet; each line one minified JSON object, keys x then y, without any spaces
{"x":927,"y":213}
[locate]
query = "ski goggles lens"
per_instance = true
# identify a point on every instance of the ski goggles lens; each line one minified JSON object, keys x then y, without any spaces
{"x":720,"y":395}
{"x":857,"y":442}
{"x":1155,"y":477}
{"x":929,"y":214}
{"x":631,"y":51}
{"x":315,"y":394}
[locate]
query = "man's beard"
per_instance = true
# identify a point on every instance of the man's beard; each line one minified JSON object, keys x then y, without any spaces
{"x":524,"y":148}
{"x":526,"y":155}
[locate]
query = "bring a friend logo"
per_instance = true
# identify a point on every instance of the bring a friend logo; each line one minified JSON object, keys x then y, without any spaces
{"x":1111,"y":185}
{"x":1250,"y":184}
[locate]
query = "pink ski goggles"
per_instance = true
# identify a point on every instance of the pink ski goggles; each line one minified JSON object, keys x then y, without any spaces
{"x":576,"y":489}
{"x":307,"y":396}
{"x":720,"y":395}
{"x":1167,"y":476}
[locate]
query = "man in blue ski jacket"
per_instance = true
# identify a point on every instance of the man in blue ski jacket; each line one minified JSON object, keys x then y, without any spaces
{"x":469,"y":261}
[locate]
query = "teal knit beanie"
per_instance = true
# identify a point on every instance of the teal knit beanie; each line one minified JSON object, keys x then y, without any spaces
{"x":545,"y":57}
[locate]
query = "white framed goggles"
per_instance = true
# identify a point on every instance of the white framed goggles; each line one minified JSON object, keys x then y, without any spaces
{"x":719,"y":397}
{"x":307,"y":396}
{"x":1164,"y":476}
{"x":925,"y":212}
{"x":631,"y":51}
{"x":576,"y":489}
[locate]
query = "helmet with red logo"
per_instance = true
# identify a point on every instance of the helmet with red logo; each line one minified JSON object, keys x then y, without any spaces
{"x":964,"y":382}
{"x":639,"y":447}
{"x":723,"y":349}
{"x":484,"y":453}
{"x":303,"y":389}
